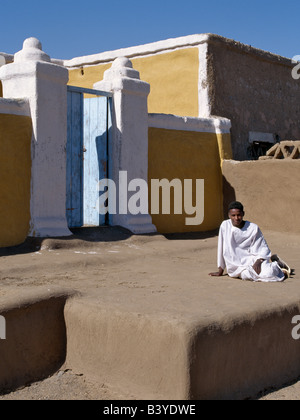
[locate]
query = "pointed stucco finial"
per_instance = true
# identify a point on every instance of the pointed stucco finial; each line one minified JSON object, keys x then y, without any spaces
{"x":32,"y":51}
{"x":121,"y":67}
{"x":122,"y":62}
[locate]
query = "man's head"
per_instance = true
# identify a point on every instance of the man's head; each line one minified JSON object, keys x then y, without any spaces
{"x":236,"y":214}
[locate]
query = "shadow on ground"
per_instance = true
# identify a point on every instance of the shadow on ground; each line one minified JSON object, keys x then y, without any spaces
{"x":81,"y":237}
{"x":191,"y":235}
{"x":86,"y":236}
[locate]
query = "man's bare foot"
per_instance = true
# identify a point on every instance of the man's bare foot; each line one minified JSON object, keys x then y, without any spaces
{"x":218,"y":273}
{"x":281,"y":263}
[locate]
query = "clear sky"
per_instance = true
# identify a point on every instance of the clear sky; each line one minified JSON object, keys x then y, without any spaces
{"x":71,"y":28}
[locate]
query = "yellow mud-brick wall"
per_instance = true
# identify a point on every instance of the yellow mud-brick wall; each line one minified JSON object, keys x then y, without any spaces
{"x":173,"y":78}
{"x":225,"y":146}
{"x":15,"y":173}
{"x":187,"y":155}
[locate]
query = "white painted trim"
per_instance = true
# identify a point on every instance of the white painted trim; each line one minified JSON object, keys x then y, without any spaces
{"x":204,"y":103}
{"x":147,"y":49}
{"x":15,"y":107}
{"x":202,"y":125}
{"x":9,"y":58}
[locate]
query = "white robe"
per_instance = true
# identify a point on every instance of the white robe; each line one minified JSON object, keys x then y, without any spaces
{"x":239,"y":249}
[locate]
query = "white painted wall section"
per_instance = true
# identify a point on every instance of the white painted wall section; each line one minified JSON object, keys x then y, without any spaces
{"x":33,"y":77}
{"x":202,"y":125}
{"x":139,"y":51}
{"x":15,"y":107}
{"x":129,"y":136}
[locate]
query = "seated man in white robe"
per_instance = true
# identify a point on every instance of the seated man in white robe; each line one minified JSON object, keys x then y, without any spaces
{"x":244,"y":253}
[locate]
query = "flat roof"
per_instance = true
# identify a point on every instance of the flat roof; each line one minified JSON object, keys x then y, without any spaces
{"x":173,"y":44}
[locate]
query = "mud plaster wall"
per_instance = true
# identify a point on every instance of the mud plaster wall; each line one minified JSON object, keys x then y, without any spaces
{"x":35,"y":344}
{"x":15,"y":173}
{"x":269,"y":191}
{"x":255,"y":90}
{"x":175,"y":154}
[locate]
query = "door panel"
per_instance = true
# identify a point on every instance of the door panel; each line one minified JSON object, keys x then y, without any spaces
{"x":87,"y":155}
{"x":95,"y":157}
{"x":74,"y":196}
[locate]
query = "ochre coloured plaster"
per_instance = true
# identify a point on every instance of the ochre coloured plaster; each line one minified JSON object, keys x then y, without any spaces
{"x":15,"y":173}
{"x":86,"y":76}
{"x":173,"y":77}
{"x":186,"y":155}
{"x":225,"y":148}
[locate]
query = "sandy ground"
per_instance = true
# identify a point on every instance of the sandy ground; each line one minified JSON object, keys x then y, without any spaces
{"x":66,"y":385}
{"x":121,"y":267}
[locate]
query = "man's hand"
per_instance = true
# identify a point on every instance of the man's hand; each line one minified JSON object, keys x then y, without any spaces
{"x":257,"y":266}
{"x":218,"y":274}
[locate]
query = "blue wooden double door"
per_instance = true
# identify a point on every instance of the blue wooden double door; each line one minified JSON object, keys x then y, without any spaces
{"x":87,"y":153}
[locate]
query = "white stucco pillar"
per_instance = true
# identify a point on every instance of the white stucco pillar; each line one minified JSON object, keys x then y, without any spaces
{"x":33,"y":76}
{"x":129,"y":148}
